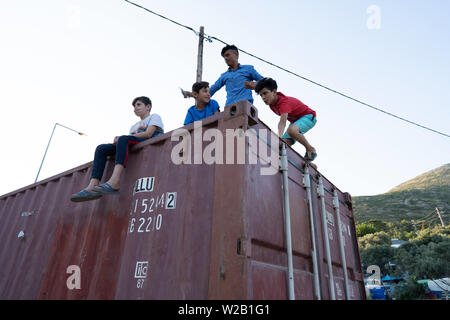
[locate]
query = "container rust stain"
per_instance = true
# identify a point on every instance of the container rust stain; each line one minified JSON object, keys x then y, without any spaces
{"x":185,"y":229}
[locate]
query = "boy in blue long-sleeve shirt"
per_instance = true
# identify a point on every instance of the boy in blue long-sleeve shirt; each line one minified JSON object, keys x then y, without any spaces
{"x":238,"y":79}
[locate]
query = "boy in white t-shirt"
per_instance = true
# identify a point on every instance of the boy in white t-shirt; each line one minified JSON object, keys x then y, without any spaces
{"x":150,"y":126}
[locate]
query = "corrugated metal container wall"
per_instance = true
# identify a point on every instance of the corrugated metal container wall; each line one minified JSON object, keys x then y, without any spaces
{"x":183,"y":231}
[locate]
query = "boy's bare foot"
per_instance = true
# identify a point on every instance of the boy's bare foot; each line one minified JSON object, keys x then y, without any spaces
{"x":91,"y":186}
{"x":114,"y":185}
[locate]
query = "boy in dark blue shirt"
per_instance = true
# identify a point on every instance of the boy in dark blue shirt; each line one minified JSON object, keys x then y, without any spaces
{"x":204,"y":106}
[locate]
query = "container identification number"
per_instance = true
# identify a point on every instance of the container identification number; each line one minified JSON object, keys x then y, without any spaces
{"x":153,"y":222}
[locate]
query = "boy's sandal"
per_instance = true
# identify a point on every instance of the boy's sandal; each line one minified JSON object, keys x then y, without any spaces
{"x":85,"y":195}
{"x":105,"y":188}
{"x":313,"y":156}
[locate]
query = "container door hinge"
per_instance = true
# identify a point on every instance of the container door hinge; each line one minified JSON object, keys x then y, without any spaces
{"x":320,"y":190}
{"x":306,"y":181}
{"x":243,"y":247}
{"x":283,"y":163}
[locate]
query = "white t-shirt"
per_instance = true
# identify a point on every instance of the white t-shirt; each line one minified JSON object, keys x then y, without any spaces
{"x":151,"y":120}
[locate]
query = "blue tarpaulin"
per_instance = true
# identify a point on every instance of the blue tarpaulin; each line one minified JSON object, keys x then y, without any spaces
{"x":389,"y":278}
{"x":378,"y":293}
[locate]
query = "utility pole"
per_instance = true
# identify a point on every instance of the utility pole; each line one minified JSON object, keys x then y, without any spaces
{"x":200,"y":54}
{"x":440,"y":218}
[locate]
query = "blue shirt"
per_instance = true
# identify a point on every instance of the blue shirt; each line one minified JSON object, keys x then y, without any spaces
{"x":234,"y":83}
{"x":194,"y":114}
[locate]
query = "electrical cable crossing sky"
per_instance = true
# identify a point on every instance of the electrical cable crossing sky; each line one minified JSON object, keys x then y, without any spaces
{"x":210,"y":38}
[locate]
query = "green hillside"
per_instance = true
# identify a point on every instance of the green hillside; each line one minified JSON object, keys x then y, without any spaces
{"x":415,"y":199}
{"x":435,"y":178}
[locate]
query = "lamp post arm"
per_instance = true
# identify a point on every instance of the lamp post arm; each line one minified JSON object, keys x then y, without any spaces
{"x":59,"y":124}
{"x":42,"y":162}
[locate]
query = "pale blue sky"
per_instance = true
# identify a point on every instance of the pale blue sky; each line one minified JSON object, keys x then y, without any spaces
{"x":80,"y":63}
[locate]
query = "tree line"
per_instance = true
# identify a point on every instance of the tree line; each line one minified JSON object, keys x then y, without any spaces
{"x":425,"y":254}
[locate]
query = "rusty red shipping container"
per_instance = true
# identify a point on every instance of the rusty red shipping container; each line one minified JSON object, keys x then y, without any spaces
{"x":185,"y":231}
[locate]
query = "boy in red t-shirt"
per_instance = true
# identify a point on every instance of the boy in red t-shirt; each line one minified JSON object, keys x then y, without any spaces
{"x":301,"y":117}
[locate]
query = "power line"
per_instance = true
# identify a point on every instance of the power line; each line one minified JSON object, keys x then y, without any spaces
{"x":210,"y":38}
{"x":161,"y":16}
{"x":431,"y":214}
{"x":431,"y":218}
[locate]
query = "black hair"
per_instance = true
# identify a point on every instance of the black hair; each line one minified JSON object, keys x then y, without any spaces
{"x":229,"y":47}
{"x":143,"y":99}
{"x":196,"y":87}
{"x":267,"y":83}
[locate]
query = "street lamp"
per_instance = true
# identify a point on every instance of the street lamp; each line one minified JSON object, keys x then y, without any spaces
{"x":54,"y":127}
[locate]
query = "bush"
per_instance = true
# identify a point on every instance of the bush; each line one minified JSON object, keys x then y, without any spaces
{"x":374,"y":239}
{"x":378,"y":255}
{"x":363,"y":229}
{"x":411,"y":290}
{"x":425,"y":258}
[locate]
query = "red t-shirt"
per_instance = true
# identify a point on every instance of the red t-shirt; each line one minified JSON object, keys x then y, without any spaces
{"x":292,"y":106}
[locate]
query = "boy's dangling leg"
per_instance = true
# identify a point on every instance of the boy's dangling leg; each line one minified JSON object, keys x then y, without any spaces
{"x":294,"y":132}
{"x":114,"y":181}
{"x":101,"y":153}
{"x":122,"y":149}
